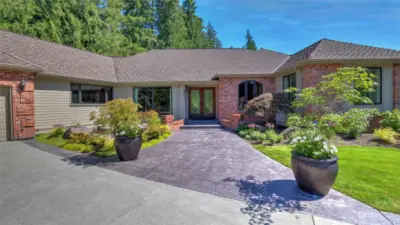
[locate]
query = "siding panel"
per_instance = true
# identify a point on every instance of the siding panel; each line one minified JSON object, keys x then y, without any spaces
{"x":52,"y":106}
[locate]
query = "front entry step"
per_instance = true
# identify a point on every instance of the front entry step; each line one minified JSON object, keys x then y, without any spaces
{"x":201,"y":124}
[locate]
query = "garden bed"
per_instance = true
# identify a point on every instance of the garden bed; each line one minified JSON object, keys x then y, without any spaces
{"x":369,"y":174}
{"x":107,"y":151}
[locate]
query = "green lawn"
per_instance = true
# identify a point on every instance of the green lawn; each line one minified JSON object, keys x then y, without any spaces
{"x":369,"y":174}
{"x":60,"y":142}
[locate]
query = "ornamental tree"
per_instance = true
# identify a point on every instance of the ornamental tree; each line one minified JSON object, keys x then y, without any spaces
{"x":347,"y":85}
{"x":266,"y":105}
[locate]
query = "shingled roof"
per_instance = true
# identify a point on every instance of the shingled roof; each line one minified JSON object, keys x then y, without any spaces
{"x":196,"y":64}
{"x":326,"y":49}
{"x":57,"y":60}
{"x":168,"y":65}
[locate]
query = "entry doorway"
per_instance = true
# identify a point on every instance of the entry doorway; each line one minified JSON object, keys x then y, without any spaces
{"x":201,"y":103}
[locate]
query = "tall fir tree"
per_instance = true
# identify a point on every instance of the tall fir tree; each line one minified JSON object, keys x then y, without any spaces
{"x":211,"y":37}
{"x":170,"y":23}
{"x":110,"y":27}
{"x":194,"y":25}
{"x":250,"y":43}
{"x":138,"y":25}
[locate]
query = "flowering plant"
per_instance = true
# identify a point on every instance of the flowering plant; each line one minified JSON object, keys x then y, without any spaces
{"x":270,"y":125}
{"x":252,"y":126}
{"x":313,"y":145}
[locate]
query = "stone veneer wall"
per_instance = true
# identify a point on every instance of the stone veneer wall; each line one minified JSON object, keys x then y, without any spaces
{"x":229,"y":94}
{"x":23,"y":111}
{"x":396,"y":86}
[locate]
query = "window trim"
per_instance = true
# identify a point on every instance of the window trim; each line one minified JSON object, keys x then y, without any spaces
{"x":136,"y":97}
{"x":255,"y":90}
{"x":380,"y":89}
{"x":289,"y":82}
{"x":80,"y":103}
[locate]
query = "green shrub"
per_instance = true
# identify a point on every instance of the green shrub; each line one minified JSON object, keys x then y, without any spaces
{"x":80,"y":138}
{"x":108,"y":146}
{"x":256,"y":135}
{"x":247,"y":137}
{"x":356,"y":121}
{"x":120,"y":116}
{"x":241,"y":127}
{"x":295,"y":120}
{"x":385,"y":134}
{"x":84,"y":148}
{"x":56,"y":132}
{"x":331,"y":124}
{"x":245,"y":132}
{"x":272,"y":136}
{"x":98,"y":141}
{"x":151,"y":118}
{"x":155,"y":132}
{"x":391,"y":119}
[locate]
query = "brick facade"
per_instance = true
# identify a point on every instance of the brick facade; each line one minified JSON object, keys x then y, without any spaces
{"x":23,"y":110}
{"x":228,"y":90}
{"x":396,"y":86}
{"x":313,"y":73}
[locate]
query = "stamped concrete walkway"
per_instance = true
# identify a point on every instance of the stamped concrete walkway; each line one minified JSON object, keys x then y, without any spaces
{"x":218,"y":162}
{"x":38,"y":188}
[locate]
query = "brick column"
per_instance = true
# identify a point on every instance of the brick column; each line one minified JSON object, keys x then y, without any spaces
{"x":23,"y":107}
{"x":396,"y":86}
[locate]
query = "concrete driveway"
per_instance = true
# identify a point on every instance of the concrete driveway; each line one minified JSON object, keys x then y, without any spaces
{"x":220,"y":163}
{"x":38,"y":188}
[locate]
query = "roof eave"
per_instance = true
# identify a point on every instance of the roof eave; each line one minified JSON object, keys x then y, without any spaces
{"x":237,"y":75}
{"x":20,"y":68}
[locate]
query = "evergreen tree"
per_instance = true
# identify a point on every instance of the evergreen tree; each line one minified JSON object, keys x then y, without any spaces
{"x":250,"y":43}
{"x":170,"y":23}
{"x":110,"y":27}
{"x":211,"y":37}
{"x":194,"y":25}
{"x":138,"y":25}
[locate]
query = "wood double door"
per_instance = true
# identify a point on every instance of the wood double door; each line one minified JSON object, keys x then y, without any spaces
{"x":201,"y":103}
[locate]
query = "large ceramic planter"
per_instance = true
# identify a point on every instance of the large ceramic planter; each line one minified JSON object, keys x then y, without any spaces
{"x":127,"y":148}
{"x":314,"y":176}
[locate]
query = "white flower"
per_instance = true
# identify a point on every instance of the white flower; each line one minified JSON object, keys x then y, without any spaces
{"x":318,"y":138}
{"x":334,"y":149}
{"x":294,"y":141}
{"x":122,"y":133}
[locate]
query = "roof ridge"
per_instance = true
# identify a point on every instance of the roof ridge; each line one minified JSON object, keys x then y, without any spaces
{"x":317,"y":44}
{"x":364,"y":45}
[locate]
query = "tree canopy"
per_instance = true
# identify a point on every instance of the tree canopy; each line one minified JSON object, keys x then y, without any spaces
{"x":110,"y":27}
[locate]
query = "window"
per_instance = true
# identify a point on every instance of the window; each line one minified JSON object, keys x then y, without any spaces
{"x":288,"y":82}
{"x":158,"y":99}
{"x":247,"y":91}
{"x":83,"y":93}
{"x":376,"y":96}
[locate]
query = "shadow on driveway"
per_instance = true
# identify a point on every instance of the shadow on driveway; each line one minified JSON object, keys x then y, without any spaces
{"x":268,"y":197}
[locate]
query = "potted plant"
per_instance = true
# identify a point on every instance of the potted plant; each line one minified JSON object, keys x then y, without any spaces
{"x":121,"y":117}
{"x":314,"y":160}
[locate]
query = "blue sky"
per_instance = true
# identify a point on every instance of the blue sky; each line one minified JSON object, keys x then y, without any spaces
{"x":290,"y":25}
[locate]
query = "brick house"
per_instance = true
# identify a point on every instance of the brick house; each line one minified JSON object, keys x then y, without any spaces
{"x":43,"y":83}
